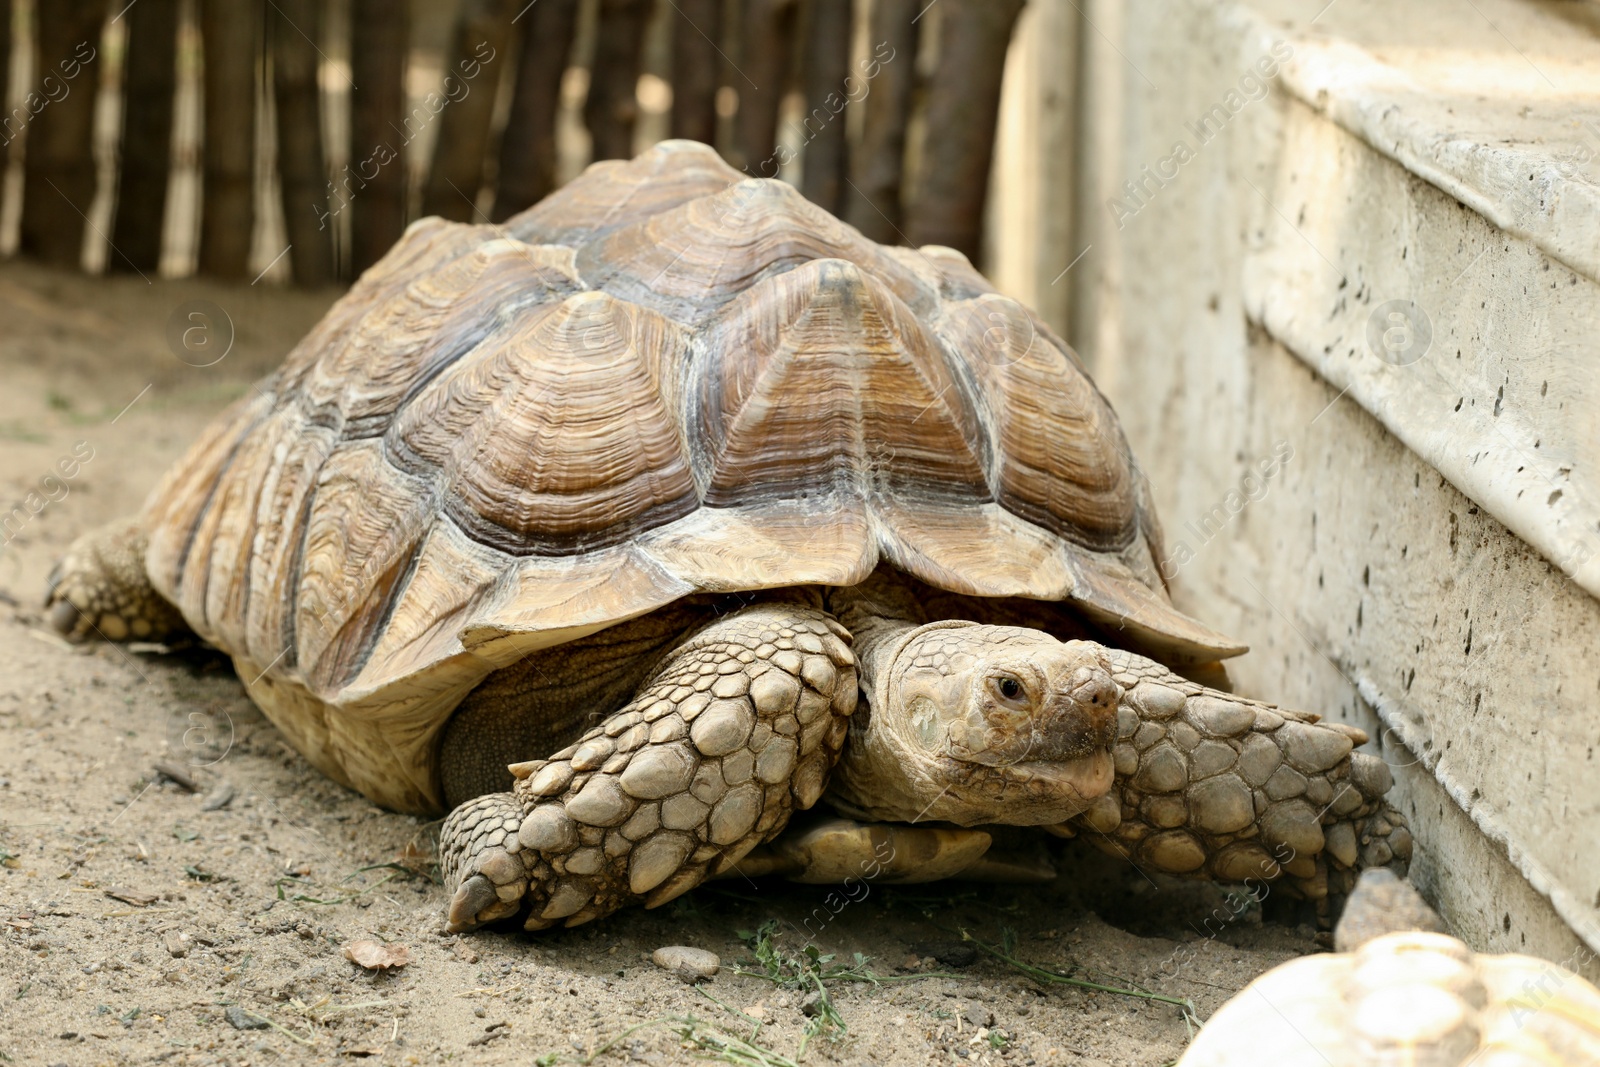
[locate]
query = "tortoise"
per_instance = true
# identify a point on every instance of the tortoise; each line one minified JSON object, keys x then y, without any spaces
{"x":1401,"y":990}
{"x":628,"y":529}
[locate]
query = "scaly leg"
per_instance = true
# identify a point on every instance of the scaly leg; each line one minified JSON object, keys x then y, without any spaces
{"x":1208,"y":784}
{"x":100,"y":589}
{"x":739,"y":728}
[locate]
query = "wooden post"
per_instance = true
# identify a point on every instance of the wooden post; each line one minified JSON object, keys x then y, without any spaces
{"x":528,"y":147}
{"x":963,"y":104}
{"x":768,"y":43}
{"x":877,"y":167}
{"x":380,"y":38}
{"x":303,"y":176}
{"x":58,"y":182}
{"x":1096,"y":308}
{"x":229,"y":30}
{"x":827,"y":65}
{"x":8,"y":124}
{"x":612,"y":106}
{"x":477,"y":54}
{"x":1027,"y":239}
{"x":696,"y":69}
{"x":149,"y":82}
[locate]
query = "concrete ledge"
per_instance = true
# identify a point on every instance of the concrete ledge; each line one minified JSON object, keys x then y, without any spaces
{"x":1496,"y":107}
{"x":1502,"y":397}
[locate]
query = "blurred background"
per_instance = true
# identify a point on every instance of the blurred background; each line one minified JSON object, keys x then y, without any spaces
{"x":291,"y":141}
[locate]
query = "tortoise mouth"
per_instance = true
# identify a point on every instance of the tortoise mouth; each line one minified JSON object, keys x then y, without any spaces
{"x":1035,"y":792}
{"x":1042,"y":748}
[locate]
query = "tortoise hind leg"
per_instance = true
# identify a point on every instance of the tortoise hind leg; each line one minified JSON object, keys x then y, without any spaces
{"x":834,"y":850}
{"x":100,"y":589}
{"x":738,"y":728}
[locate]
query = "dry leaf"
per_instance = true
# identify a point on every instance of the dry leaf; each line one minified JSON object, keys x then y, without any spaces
{"x":377,"y":956}
{"x":132,"y":896}
{"x":416,"y":860}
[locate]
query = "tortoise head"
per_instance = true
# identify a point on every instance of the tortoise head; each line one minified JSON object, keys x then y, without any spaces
{"x":977,"y":724}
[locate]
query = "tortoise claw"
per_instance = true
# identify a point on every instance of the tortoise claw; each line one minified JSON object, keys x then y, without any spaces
{"x":477,"y":855}
{"x":476,"y":903}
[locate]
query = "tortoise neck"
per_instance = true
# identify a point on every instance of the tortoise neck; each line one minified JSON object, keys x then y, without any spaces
{"x":878,"y":613}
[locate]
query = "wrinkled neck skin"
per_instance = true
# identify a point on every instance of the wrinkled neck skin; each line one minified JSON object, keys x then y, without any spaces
{"x":925,"y":746}
{"x":879,"y":612}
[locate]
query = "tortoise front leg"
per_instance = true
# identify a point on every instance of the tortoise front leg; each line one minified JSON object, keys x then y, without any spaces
{"x":739,"y":728}
{"x":1209,"y":784}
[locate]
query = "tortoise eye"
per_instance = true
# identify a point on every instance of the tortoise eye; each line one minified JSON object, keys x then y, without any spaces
{"x":1009,"y":688}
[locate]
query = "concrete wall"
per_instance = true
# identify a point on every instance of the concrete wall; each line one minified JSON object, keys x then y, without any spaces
{"x":1424,"y":563}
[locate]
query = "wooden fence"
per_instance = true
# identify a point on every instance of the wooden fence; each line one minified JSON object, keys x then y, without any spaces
{"x":328,"y":126}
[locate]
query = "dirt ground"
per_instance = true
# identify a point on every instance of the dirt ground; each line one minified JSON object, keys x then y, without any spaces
{"x":142,"y":922}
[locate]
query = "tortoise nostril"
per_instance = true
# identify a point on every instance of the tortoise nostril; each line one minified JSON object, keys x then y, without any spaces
{"x":1082,"y":718}
{"x":1093,"y":688}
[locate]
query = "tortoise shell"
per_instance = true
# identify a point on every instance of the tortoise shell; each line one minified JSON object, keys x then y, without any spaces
{"x":1412,"y":997}
{"x":664,"y":379}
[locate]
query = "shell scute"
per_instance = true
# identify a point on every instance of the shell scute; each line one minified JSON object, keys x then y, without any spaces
{"x":1068,"y":468}
{"x":690,"y":260}
{"x":426,"y":326}
{"x":820,"y":379}
{"x":615,"y":192}
{"x":552,"y":437}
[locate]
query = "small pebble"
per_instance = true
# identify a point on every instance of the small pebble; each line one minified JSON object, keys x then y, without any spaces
{"x":219,"y":797}
{"x":173,"y":941}
{"x":240,"y":1019}
{"x":977,"y":1015}
{"x":690,"y":964}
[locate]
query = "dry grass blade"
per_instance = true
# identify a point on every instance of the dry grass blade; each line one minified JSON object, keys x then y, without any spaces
{"x":1047,"y":976}
{"x":728,"y":1047}
{"x":132,"y":896}
{"x":309,"y":1039}
{"x":395,"y":871}
{"x":709,"y":1038}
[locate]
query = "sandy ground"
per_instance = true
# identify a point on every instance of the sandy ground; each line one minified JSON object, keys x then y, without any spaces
{"x":141,"y":922}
